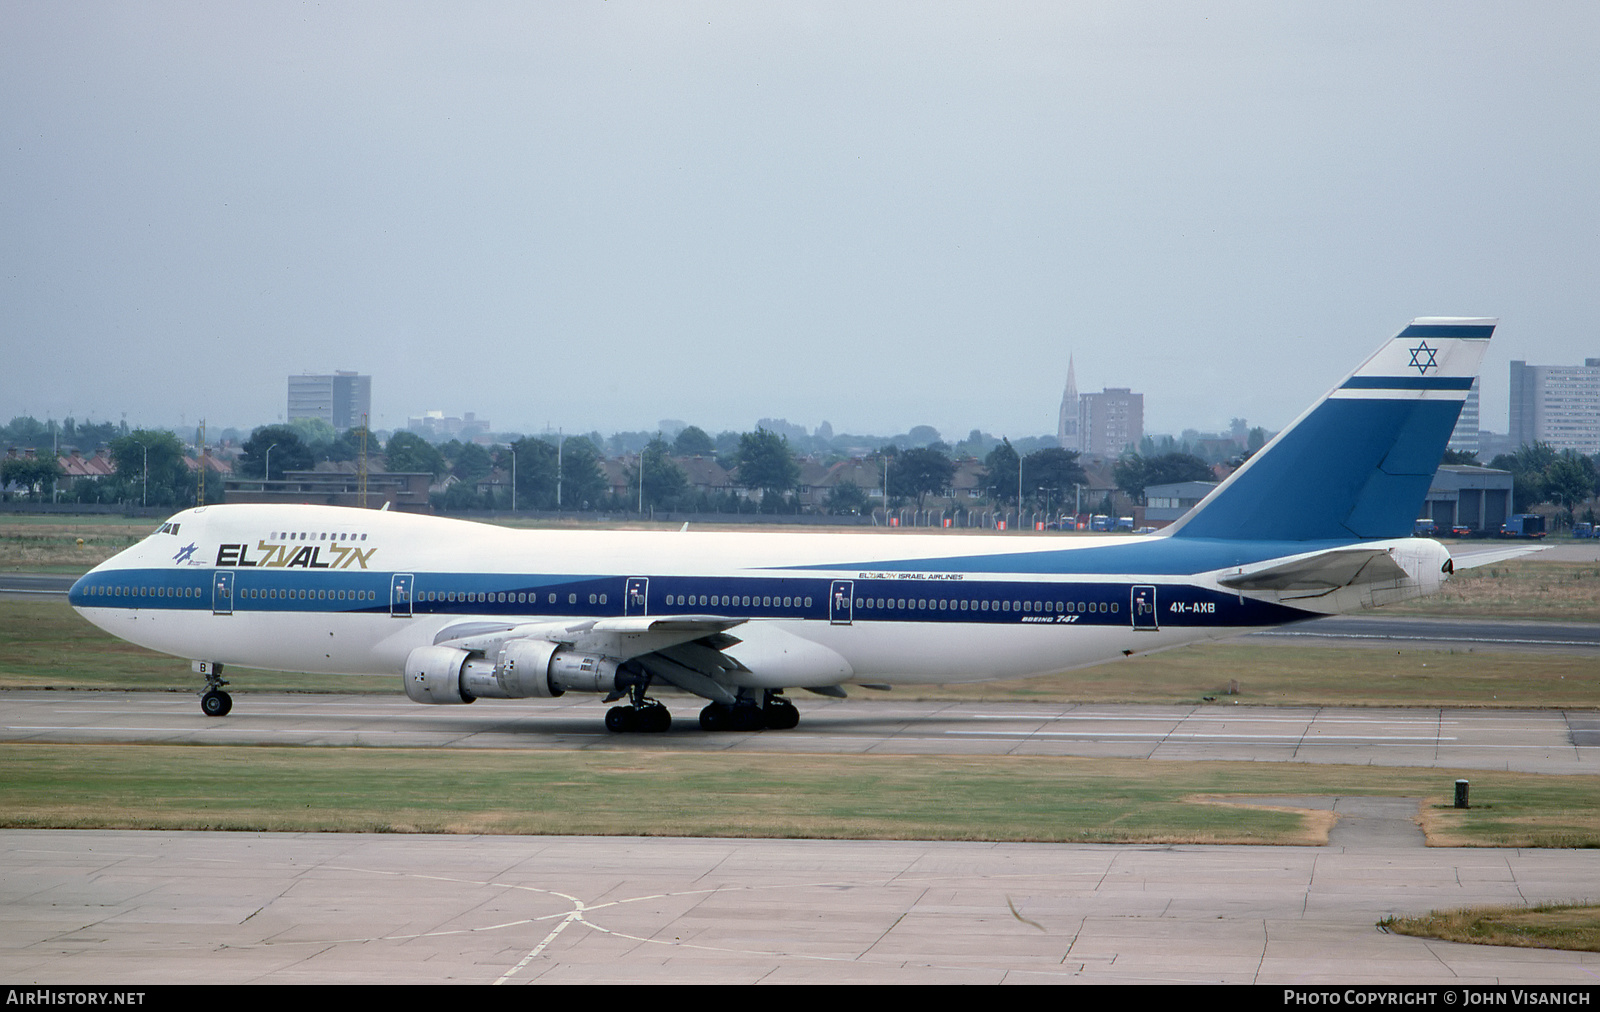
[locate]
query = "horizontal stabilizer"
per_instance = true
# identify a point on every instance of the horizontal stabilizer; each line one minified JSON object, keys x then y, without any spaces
{"x":1473,"y":560}
{"x":1323,"y":572}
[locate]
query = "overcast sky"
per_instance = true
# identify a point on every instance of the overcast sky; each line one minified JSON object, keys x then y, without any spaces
{"x":599,"y":215}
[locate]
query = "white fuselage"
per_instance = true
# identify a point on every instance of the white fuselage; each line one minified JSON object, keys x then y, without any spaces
{"x":329,"y":589}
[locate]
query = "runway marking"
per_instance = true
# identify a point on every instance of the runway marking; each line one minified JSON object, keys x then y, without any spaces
{"x":1437,"y":639}
{"x":1156,"y":735}
{"x":577,"y":915}
{"x":1241,"y":716}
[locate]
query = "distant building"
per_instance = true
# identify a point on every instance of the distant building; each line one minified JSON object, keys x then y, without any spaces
{"x":1463,"y":496}
{"x":436,"y":425}
{"x":1465,"y":437}
{"x":341,"y":400}
{"x":1110,"y":422}
{"x":1165,"y":503}
{"x":1493,"y":444}
{"x":1067,"y":421}
{"x":1556,"y":404}
{"x":400,"y":490}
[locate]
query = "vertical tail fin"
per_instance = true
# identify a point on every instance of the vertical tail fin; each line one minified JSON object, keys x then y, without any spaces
{"x":1357,"y":464}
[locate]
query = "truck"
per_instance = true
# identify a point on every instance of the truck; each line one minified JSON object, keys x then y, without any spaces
{"x":1523,"y":525}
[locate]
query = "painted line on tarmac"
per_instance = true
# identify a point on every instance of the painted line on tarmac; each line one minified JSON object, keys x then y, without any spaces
{"x":1509,"y":640}
{"x":1195,"y":736}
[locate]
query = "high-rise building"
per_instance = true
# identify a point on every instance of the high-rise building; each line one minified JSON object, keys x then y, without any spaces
{"x":1067,"y":422}
{"x":341,"y":399}
{"x":1110,"y":422}
{"x":1465,"y":437}
{"x":1556,"y":404}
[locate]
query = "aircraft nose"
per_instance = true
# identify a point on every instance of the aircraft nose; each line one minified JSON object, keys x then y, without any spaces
{"x":78,"y":594}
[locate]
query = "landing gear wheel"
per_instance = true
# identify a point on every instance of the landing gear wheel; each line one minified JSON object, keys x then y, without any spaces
{"x":741,"y":716}
{"x":216,"y":703}
{"x":652,"y":718}
{"x":781,"y":715}
{"x":622,"y":719}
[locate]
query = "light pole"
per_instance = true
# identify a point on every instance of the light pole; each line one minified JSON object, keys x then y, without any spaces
{"x":266,"y":471}
{"x":144,"y":493}
{"x":513,"y":477}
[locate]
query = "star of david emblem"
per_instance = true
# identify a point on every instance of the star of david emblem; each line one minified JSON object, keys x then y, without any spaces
{"x":185,"y":552}
{"x":1422,"y":357}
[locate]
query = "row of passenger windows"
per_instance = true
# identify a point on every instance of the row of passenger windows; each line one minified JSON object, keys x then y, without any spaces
{"x":678,"y":600}
{"x":309,"y":595}
{"x":500,"y":598}
{"x":735,"y":601}
{"x":322,"y":536}
{"x":143,"y":591}
{"x":940,"y":604}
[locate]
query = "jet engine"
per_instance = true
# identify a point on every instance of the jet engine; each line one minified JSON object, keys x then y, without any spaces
{"x":520,"y":668}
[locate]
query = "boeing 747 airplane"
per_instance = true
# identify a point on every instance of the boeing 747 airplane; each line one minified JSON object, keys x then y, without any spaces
{"x":1318,"y":522}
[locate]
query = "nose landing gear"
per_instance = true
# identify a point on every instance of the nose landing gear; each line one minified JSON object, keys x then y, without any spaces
{"x":214,"y":701}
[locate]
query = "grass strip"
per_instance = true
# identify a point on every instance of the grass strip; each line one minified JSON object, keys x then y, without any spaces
{"x":1526,"y":588}
{"x":633,"y":793}
{"x":1573,"y":926}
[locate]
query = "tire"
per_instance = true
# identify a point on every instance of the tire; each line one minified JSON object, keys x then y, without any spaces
{"x":782,"y":716}
{"x":216,"y":703}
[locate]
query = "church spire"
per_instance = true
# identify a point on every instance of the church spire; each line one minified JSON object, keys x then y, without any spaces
{"x":1067,"y":422}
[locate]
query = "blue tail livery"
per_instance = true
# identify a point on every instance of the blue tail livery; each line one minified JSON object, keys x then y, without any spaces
{"x":1316,"y":523}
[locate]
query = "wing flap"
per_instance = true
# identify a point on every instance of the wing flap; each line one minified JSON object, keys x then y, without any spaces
{"x":618,"y":638}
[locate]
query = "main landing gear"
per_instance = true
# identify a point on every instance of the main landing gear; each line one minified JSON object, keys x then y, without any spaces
{"x":214,"y":701}
{"x":643,"y":714}
{"x":775,"y":714}
{"x":650,"y":717}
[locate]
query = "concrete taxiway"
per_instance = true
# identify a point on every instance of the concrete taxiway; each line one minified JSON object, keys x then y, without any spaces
{"x":129,"y":908}
{"x":1536,"y":741}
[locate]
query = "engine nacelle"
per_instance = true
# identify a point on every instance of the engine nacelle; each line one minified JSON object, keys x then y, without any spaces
{"x":582,"y":672}
{"x":522,"y":668}
{"x":433,"y":675}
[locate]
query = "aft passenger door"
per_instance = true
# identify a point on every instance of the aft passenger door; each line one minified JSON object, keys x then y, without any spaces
{"x":841,"y":602}
{"x":1143,"y":609}
{"x":636,"y":596}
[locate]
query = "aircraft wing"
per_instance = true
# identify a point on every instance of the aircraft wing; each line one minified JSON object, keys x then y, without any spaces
{"x":1321,"y":573}
{"x":684,"y":650}
{"x":619,"y":638}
